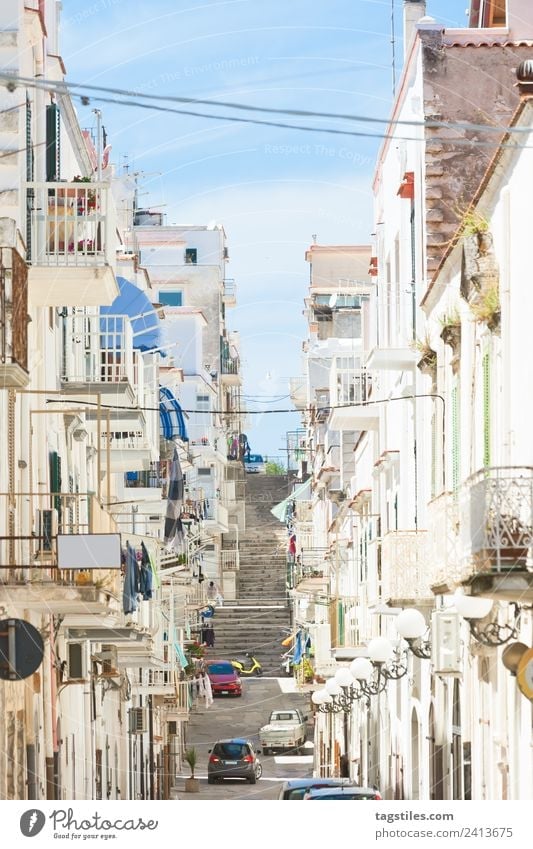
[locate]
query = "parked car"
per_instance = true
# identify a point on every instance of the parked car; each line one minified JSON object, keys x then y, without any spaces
{"x":296,"y":788}
{"x":354,"y":794}
{"x":235,"y":758}
{"x":285,"y":730}
{"x":254,"y":464}
{"x":224,"y":678}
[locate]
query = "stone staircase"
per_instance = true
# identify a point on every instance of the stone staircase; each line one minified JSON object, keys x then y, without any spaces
{"x":255,"y":621}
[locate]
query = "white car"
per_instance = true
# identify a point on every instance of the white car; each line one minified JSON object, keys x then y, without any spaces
{"x":254,"y":464}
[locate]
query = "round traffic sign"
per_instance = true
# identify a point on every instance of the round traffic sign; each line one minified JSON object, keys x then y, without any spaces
{"x":21,"y":649}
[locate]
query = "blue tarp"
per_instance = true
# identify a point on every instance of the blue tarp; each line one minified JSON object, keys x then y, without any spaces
{"x":145,"y":322}
{"x":171,"y":418}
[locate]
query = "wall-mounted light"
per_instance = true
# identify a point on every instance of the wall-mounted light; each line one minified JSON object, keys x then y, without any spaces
{"x":475,"y":609}
{"x":412,"y":626}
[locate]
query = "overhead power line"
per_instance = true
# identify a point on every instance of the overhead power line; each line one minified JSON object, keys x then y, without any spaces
{"x":62,"y":87}
{"x":327,"y":407}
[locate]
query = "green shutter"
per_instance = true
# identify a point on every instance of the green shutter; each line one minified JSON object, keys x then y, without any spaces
{"x":55,"y":480}
{"x":340,"y":621}
{"x":486,"y":409}
{"x":456,"y":439}
{"x":433,"y":454}
{"x":52,"y":143}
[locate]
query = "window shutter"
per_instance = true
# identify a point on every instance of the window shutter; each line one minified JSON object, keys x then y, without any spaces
{"x":52,"y":143}
{"x":55,"y":480}
{"x":456,"y":438}
{"x":486,"y":409}
{"x":433,"y":454}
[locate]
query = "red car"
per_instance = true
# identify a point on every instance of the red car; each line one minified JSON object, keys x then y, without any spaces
{"x":224,"y":679}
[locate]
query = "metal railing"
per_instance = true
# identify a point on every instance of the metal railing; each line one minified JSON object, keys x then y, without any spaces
{"x":13,"y":309}
{"x":407,"y":570}
{"x":350,"y":382}
{"x":98,"y":349}
{"x":230,"y":288}
{"x":71,"y":224}
{"x":229,"y":560}
{"x":496,"y":518}
{"x":29,"y":525}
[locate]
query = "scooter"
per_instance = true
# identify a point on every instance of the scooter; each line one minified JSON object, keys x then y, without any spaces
{"x":240,"y":666}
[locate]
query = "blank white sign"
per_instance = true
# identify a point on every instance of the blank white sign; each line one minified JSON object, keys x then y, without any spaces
{"x":88,"y":551}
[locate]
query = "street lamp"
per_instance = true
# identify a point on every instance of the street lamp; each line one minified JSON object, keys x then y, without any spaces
{"x":411,"y":625}
{"x":475,"y":608}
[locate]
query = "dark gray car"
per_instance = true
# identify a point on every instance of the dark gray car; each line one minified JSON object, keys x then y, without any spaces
{"x":235,"y":758}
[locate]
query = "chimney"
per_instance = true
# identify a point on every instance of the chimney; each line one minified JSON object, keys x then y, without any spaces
{"x":413,"y":10}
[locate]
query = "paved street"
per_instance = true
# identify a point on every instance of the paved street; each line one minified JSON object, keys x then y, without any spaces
{"x":236,"y":717}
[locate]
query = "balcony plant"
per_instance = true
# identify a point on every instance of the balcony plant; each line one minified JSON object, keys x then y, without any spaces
{"x":192,"y":785}
{"x":86,"y":198}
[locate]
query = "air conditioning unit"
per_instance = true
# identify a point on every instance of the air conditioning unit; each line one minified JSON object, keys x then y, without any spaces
{"x":137,"y":720}
{"x":76,"y":662}
{"x":109,"y":658}
{"x":46,"y":523}
{"x":446,"y":642}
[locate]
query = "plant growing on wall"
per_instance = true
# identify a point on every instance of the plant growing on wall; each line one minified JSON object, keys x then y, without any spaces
{"x":428,"y":357}
{"x":486,"y":307}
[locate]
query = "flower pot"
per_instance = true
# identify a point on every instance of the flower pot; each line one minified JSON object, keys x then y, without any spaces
{"x":192,"y":785}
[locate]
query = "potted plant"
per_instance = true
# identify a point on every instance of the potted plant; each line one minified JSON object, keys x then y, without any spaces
{"x":192,"y":785}
{"x":86,"y":198}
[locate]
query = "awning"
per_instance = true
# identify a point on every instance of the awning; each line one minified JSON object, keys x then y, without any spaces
{"x":145,"y":322}
{"x":171,"y":418}
{"x":301,"y":492}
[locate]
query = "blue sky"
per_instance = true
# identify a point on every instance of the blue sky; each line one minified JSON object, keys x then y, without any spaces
{"x":271,"y":188}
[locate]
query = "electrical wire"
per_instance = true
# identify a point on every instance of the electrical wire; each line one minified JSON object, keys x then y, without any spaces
{"x":56,"y":85}
{"x":62,"y":87}
{"x":327,"y":408}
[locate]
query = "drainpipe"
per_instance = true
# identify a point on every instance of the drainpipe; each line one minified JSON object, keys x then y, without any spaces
{"x":29,"y":733}
{"x":48,"y":672}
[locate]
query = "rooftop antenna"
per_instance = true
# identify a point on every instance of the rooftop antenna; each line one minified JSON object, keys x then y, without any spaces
{"x":393,"y":48}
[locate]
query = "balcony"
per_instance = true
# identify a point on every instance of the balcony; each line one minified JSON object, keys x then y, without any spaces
{"x":30,"y":524}
{"x":298,"y":392}
{"x":408,"y":573}
{"x":126,"y":451}
{"x":158,"y":682}
{"x":444,"y":543}
{"x":392,"y":359}
{"x":229,"y":560}
{"x":230,"y":371}
{"x":351,"y":384}
{"x":71,"y":243}
{"x":496,"y":531}
{"x":216,"y":517}
{"x":229,"y":293}
{"x":13,"y":320}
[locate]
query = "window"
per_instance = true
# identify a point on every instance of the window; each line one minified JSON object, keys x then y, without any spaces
{"x":191,"y":256}
{"x":231,"y":751}
{"x":221,"y":669}
{"x":171,"y":299}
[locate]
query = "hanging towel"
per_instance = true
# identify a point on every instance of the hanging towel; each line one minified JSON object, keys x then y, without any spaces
{"x":131,"y":587}
{"x":174,"y":497}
